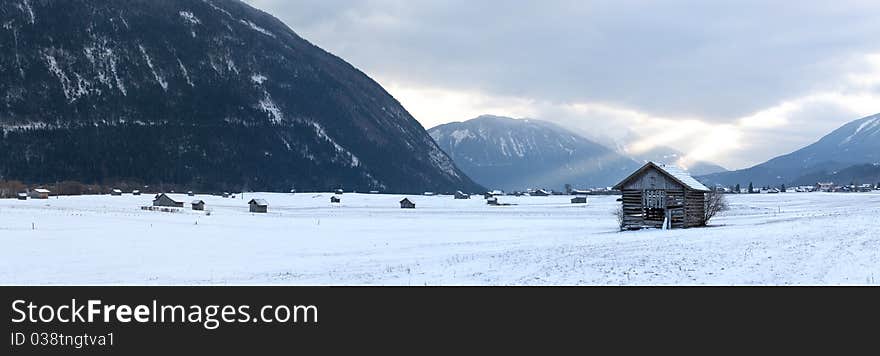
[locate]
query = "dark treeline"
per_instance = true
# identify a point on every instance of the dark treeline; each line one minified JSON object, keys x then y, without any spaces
{"x":169,"y":157}
{"x":10,"y":188}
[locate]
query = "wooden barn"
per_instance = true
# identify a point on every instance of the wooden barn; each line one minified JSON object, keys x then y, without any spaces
{"x":407,"y":204}
{"x":460,"y":195}
{"x":22,"y":196}
{"x":40,"y":194}
{"x":258,"y":206}
{"x":662,"y":196}
{"x":135,"y":192}
{"x":579,"y":199}
{"x":334,"y":199}
{"x":198,"y":205}
{"x":539,"y":193}
{"x":164,"y":200}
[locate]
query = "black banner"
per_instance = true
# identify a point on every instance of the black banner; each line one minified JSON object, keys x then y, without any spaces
{"x":256,"y":320}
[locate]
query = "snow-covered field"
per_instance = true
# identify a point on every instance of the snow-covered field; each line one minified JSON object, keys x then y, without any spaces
{"x":779,"y":239}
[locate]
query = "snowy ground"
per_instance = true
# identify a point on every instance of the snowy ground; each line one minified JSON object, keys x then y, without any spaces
{"x":780,"y":239}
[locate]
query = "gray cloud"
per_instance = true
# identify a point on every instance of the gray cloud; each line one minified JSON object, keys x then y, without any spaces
{"x":716,"y":61}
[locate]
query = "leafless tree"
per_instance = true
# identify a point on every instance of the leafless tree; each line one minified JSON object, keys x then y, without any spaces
{"x":9,"y":189}
{"x":716,"y":202}
{"x":619,"y":214}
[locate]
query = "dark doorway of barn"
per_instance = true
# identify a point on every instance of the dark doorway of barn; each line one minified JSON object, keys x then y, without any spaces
{"x":655,"y":216}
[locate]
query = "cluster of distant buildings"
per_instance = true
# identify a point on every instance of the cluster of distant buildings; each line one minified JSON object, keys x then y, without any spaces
{"x":537,"y":192}
{"x":831,"y":187}
{"x":827,"y":187}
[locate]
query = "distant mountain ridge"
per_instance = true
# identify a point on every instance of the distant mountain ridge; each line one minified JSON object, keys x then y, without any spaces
{"x":855,"y":143}
{"x":857,"y":174}
{"x":516,"y":154}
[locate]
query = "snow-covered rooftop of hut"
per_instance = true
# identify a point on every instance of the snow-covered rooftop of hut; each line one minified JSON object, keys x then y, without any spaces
{"x":675,"y":172}
{"x":260,"y":202}
{"x":39,"y":190}
{"x":682,"y":176}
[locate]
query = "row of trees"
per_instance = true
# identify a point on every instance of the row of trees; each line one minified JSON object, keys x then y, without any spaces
{"x":11,"y":188}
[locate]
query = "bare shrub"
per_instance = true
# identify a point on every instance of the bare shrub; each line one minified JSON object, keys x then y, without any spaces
{"x":716,"y":202}
{"x":619,"y":214}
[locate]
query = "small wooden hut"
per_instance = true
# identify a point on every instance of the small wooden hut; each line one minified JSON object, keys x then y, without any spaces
{"x":407,"y":204}
{"x":579,"y":200}
{"x":662,"y":196}
{"x":460,"y":195}
{"x":540,"y":193}
{"x":198,"y":205}
{"x":135,"y":192}
{"x":22,"y":196}
{"x":40,"y":194}
{"x":334,"y":199}
{"x":190,"y":193}
{"x":164,"y":200}
{"x":258,"y":206}
{"x":116,"y":192}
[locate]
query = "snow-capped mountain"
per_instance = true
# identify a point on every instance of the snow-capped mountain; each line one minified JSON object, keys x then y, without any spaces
{"x":213,"y":94}
{"x":671,"y":155}
{"x":624,"y":138}
{"x":513,"y":154}
{"x":855,"y":143}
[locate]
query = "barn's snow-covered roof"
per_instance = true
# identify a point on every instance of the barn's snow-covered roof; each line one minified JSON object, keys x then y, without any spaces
{"x":676,"y":173}
{"x":163,"y":196}
{"x":682,"y":176}
{"x":260,"y":202}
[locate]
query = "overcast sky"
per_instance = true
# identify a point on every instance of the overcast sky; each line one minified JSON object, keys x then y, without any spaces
{"x":734,"y":82}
